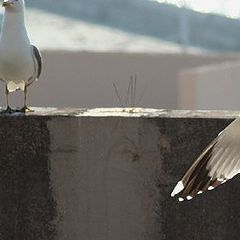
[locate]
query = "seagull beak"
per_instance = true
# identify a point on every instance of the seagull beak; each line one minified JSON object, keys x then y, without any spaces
{"x":7,"y":3}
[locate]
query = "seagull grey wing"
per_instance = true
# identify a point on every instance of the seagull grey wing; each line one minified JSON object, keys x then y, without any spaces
{"x":219,"y":162}
{"x":38,"y":59}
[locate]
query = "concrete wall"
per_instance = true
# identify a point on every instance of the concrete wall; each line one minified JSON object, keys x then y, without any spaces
{"x":107,"y":174}
{"x":210,"y":87}
{"x":81,"y":79}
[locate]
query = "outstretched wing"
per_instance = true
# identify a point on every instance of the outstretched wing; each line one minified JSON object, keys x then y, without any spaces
{"x":38,"y":60}
{"x":219,"y":162}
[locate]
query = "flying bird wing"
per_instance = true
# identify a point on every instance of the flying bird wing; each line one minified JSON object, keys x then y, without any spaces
{"x":219,"y":162}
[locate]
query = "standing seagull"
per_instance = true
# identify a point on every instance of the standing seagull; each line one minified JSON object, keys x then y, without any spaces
{"x":219,"y":162}
{"x":20,"y":61}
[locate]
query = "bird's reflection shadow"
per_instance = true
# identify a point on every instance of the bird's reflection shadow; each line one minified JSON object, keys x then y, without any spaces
{"x":14,"y":111}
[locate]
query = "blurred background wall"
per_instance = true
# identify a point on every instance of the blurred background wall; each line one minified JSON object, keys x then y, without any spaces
{"x":83,"y":79}
{"x":89,"y":46}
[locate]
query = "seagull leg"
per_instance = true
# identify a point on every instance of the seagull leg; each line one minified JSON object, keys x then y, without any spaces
{"x":26,"y":109}
{"x":8,"y":109}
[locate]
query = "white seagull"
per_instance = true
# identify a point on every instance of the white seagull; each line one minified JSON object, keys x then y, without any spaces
{"x":20,"y":61}
{"x":218,"y":163}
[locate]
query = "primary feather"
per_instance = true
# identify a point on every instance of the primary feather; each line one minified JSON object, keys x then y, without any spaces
{"x":218,"y":163}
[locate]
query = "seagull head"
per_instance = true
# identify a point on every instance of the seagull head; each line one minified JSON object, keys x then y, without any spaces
{"x":13,"y":4}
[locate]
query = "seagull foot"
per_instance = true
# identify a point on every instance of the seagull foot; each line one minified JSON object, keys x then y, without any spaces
{"x":8,"y":110}
{"x":26,"y":109}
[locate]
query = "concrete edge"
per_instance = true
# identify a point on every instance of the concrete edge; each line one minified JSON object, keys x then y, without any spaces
{"x":125,"y":112}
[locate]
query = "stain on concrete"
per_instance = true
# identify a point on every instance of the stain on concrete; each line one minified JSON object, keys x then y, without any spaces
{"x":27,"y":205}
{"x":105,"y":188}
{"x":164,"y":143}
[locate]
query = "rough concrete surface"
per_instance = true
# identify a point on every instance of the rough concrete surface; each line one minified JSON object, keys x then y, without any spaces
{"x":107,"y":174}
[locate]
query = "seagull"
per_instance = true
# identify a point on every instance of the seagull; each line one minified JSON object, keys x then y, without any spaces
{"x":219,"y":162}
{"x":20,"y":60}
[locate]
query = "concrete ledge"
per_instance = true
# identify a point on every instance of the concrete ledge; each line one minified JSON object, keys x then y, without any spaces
{"x":125,"y":112}
{"x":107,"y":174}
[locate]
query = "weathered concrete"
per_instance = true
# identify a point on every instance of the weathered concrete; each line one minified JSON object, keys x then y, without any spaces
{"x":107,"y":174}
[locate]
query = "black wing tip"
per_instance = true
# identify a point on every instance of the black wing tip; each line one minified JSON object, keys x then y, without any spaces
{"x":209,"y":186}
{"x":198,"y":179}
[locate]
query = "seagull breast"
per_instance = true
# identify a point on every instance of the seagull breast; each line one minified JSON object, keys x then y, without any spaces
{"x":16,"y":59}
{"x":16,"y":64}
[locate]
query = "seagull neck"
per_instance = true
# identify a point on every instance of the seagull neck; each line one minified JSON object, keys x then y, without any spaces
{"x":13,"y":21}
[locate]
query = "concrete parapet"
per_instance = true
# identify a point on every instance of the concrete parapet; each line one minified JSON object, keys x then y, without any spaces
{"x":107,"y":174}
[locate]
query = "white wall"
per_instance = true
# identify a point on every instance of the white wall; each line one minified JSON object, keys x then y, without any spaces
{"x":82,"y":79}
{"x":210,"y":87}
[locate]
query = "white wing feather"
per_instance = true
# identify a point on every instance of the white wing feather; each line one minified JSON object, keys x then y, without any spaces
{"x":219,"y":162}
